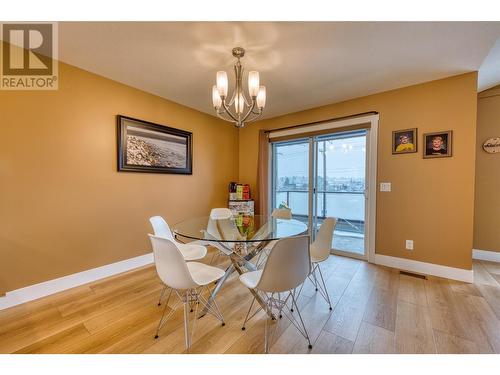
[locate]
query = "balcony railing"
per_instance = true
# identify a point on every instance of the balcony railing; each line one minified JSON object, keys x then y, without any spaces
{"x":347,"y":206}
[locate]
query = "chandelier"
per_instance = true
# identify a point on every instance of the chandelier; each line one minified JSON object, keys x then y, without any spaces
{"x":245,"y":109}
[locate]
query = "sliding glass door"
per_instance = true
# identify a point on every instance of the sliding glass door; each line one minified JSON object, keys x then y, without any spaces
{"x":340,"y":176}
{"x":325,"y":176}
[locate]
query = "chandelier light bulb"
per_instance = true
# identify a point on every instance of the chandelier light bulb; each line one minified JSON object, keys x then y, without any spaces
{"x":222,"y":83}
{"x":216,"y":99}
{"x":253,"y":83}
{"x":261,"y":97}
{"x":239,"y":103}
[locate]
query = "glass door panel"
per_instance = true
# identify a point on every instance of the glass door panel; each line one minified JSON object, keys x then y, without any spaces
{"x":324,"y":176}
{"x":340,"y":188}
{"x":291,"y":177}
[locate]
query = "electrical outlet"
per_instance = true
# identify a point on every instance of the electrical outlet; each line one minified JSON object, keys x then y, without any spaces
{"x":409,"y":244}
{"x":385,"y":186}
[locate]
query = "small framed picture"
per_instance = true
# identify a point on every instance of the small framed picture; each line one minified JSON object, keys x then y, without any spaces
{"x":438,"y":145}
{"x":147,"y":147}
{"x":404,"y":141}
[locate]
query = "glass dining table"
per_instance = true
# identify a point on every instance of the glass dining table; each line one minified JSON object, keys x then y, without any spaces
{"x":242,"y":239}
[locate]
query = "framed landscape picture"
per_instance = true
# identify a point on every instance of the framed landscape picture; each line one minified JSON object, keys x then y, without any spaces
{"x":147,"y":147}
{"x":404,"y":141}
{"x":438,"y":145}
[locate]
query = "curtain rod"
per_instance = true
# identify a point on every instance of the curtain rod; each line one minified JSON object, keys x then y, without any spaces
{"x":323,"y":121}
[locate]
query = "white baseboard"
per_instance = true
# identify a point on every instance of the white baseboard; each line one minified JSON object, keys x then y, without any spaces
{"x":492,"y":256}
{"x":32,"y":292}
{"x":425,"y":268}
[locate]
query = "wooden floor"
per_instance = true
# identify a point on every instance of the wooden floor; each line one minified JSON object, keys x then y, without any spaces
{"x":375,"y":310}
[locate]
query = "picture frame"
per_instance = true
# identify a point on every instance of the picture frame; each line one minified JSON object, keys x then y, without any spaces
{"x":438,"y":144}
{"x":147,"y":147}
{"x":405,"y":141}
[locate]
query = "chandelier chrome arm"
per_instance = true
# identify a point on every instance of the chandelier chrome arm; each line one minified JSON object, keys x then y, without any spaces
{"x":227,"y":111}
{"x":257,"y":113}
{"x":250,"y":111}
{"x":239,"y":121}
{"x":219,"y":115}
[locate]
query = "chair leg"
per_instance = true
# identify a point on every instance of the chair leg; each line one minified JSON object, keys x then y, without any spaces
{"x":188,"y":299}
{"x":283,"y":303}
{"x":192,"y":300}
{"x":186,"y":320}
{"x":320,"y":285}
{"x":294,"y":302}
{"x":195,"y":319}
{"x":266,"y":329}
{"x":315,"y":279}
{"x":248,"y":313}
{"x":210,"y":307}
{"x":164,"y":319}
{"x":293,"y":292}
{"x":220,"y":283}
{"x":324,"y":287}
{"x":161,"y":294}
{"x":217,"y":313}
{"x":279,"y":310}
{"x":161,"y":321}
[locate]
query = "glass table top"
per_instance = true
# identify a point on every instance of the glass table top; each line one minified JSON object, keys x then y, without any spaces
{"x":254,"y":228}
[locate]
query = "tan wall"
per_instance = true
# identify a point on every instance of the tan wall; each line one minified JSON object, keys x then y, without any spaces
{"x":487,"y":207}
{"x":432,"y":200}
{"x":63,"y":206}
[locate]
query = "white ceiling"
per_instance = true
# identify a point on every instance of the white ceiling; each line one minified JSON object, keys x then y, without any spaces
{"x":302,"y":64}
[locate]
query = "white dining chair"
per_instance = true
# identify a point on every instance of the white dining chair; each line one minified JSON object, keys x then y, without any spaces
{"x":287,"y":267}
{"x":278,"y":213}
{"x":187,"y":279}
{"x":282,"y":213}
{"x":320,"y":251}
{"x":220,"y":226}
{"x":220,"y":213}
{"x":190,"y":251}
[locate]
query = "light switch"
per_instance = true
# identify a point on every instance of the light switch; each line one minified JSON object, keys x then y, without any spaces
{"x":385,"y":186}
